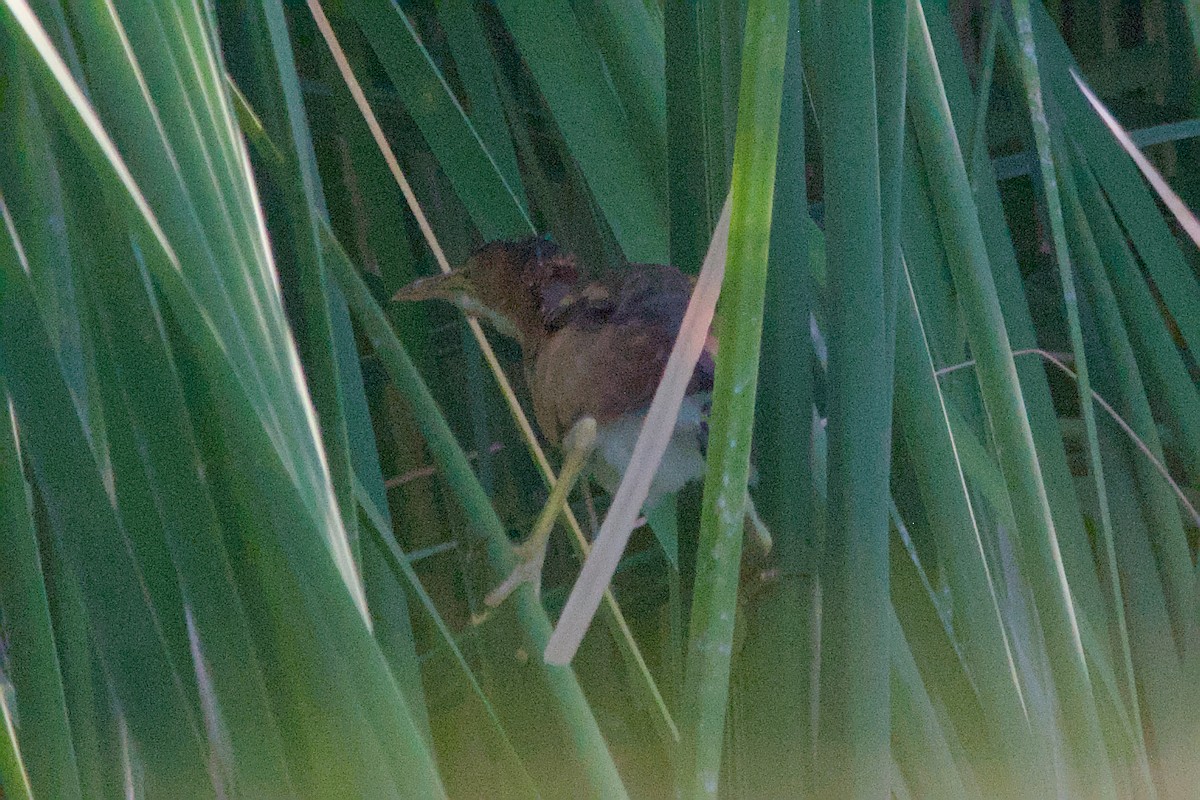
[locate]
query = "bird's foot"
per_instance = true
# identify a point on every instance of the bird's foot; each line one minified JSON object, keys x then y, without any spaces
{"x":756,"y":528}
{"x":531,"y":553}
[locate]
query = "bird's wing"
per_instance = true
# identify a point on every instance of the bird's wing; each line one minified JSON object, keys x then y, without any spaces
{"x":610,"y":348}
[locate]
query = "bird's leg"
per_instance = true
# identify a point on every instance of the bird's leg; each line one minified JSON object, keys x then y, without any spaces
{"x":577,"y":446}
{"x":755,"y":526}
{"x":590,"y":505}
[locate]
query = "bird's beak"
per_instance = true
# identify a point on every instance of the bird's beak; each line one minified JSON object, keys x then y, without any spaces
{"x":455,"y":287}
{"x":451,"y":287}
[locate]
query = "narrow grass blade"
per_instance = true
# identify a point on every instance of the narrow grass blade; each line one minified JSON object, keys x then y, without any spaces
{"x":1002,"y":394}
{"x":1134,"y":203}
{"x":570,"y":73}
{"x":1011,"y":761}
{"x":691,"y":196}
{"x":1158,"y":359}
{"x":326,"y":339}
{"x":477,"y":70}
{"x":1015,"y":306}
{"x":12,"y":771}
{"x":304,"y":205}
{"x":520,"y":780}
{"x":1187,"y":220}
{"x":490,"y":200}
{"x":118,"y":610}
{"x":922,"y":754}
{"x":1053,"y":197}
{"x":631,"y":44}
{"x":33,"y":665}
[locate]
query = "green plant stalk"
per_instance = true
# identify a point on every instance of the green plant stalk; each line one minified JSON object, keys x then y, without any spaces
{"x":75,"y":658}
{"x":1042,"y":561}
{"x":1155,"y":665}
{"x":978,"y":137}
{"x":185,"y":184}
{"x":1060,"y":489}
{"x":170,"y":515}
{"x":325,"y":335}
{"x":714,"y":605}
{"x":399,"y":561}
{"x":1089,"y":264}
{"x":1165,"y":691}
{"x":476,"y":68}
{"x":1169,"y":541}
{"x":926,"y":269}
{"x":1157,"y":359}
{"x":890,"y":40}
{"x":633,"y":52}
{"x":1134,"y":203}
{"x":776,"y":668}
{"x":585,"y":745}
{"x":66,"y":473}
{"x":854,"y":728}
{"x":238,"y":332}
{"x":304,"y":205}
{"x":1174,"y":558}
{"x":693,"y":196}
{"x":371,"y":205}
{"x":920,"y":742}
{"x":1192,"y":7}
{"x":1156,"y":356}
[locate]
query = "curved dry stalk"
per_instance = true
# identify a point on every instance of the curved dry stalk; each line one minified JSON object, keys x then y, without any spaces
{"x":518,"y":413}
{"x":1112,"y":412}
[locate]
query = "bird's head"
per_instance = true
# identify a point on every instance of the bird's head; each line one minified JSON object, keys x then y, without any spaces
{"x":514,"y":285}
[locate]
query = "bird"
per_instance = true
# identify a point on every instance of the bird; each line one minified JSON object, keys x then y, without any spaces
{"x":593,"y":353}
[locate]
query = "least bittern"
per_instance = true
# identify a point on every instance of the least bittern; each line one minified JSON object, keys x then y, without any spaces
{"x":594,"y":352}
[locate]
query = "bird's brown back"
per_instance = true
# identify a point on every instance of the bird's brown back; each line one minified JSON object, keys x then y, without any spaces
{"x":605,"y":347}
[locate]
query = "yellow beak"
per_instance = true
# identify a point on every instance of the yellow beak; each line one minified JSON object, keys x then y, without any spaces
{"x":451,"y":286}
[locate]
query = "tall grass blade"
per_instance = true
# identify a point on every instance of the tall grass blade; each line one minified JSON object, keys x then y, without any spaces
{"x":490,"y":200}
{"x":775,"y":670}
{"x":854,"y":728}
{"x":1040,"y":555}
{"x":33,"y":665}
{"x":628,"y":186}
{"x":714,"y":606}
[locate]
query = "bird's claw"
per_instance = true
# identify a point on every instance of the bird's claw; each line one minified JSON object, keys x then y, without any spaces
{"x":531,"y":555}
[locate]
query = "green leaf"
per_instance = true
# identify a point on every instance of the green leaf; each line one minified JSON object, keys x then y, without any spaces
{"x":714,"y":603}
